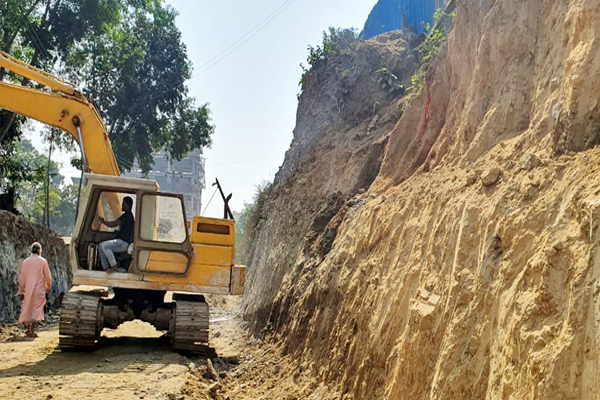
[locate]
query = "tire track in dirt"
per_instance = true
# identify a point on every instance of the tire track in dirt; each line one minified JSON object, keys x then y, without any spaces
{"x":135,"y":362}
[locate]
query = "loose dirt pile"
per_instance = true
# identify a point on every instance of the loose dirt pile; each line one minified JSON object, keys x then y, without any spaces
{"x":470,"y":267}
{"x":134,"y":362}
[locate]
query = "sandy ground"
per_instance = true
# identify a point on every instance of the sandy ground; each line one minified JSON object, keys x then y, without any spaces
{"x":134,"y":362}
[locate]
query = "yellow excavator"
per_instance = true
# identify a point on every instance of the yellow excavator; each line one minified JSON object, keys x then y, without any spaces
{"x":167,"y":253}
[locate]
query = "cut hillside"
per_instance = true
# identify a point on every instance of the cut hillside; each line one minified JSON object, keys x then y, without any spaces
{"x":469,"y":267}
{"x":345,"y":114}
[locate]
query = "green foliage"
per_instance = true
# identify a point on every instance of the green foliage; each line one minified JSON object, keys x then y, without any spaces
{"x":42,"y":33}
{"x":240,"y":225}
{"x":31,"y":193}
{"x":440,"y":16}
{"x":416,"y":82}
{"x":129,"y":58}
{"x":390,"y":82}
{"x":136,"y":77}
{"x":19,"y":166}
{"x":429,"y":49}
{"x":335,"y":42}
{"x":62,"y":217}
{"x":253,"y":216}
{"x":62,"y":204}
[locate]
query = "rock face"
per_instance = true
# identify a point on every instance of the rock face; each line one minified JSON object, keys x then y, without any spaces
{"x":389,"y":15}
{"x":336,"y":153}
{"x":425,"y":287}
{"x":491,"y":176}
{"x":16,"y":234}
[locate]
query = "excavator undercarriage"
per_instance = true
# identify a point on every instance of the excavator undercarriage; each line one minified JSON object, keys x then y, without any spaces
{"x":85,"y":314}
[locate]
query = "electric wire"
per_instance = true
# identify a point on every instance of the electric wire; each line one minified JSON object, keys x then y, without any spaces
{"x":243,"y":39}
{"x":243,"y":36}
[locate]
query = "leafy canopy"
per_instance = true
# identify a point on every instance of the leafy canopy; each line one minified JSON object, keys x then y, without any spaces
{"x":126,"y":55}
{"x":136,"y":75}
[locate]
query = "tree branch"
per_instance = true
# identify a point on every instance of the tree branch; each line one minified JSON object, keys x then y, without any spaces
{"x":7,"y":126}
{"x":8,"y":42}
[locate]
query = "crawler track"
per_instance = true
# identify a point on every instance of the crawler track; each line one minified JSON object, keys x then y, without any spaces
{"x":190,"y":331}
{"x":80,"y":321}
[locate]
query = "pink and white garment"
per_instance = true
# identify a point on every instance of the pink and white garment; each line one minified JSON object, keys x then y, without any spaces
{"x":34,"y":282}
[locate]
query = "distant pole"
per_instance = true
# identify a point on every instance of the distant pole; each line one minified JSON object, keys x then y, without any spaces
{"x":47,"y":202}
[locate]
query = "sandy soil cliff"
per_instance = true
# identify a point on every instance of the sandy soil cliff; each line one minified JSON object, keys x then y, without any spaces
{"x":469,"y":267}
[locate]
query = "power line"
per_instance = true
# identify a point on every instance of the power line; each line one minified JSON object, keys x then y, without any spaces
{"x":244,"y":38}
{"x":224,"y":56}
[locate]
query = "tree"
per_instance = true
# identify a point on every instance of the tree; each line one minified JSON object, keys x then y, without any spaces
{"x":127,"y":55}
{"x":62,"y":217}
{"x":136,"y":76}
{"x":41,"y":33}
{"x":31,"y":192}
{"x":32,"y":195}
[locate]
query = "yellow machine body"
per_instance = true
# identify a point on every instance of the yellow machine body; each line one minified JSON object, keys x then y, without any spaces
{"x":202,"y":262}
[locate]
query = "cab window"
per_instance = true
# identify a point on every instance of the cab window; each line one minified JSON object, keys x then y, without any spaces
{"x":162,"y":219}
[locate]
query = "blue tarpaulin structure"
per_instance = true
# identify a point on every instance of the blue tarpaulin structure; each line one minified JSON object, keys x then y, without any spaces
{"x":389,"y":15}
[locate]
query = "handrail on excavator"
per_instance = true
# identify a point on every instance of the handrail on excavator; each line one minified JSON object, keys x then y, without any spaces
{"x":65,"y":108}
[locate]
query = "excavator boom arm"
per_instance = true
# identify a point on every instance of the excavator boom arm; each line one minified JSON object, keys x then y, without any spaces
{"x":67,"y":110}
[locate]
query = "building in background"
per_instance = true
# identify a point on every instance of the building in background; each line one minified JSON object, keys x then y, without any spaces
{"x":184,"y":177}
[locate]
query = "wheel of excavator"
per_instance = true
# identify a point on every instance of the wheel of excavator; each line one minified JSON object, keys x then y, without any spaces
{"x":80,"y":321}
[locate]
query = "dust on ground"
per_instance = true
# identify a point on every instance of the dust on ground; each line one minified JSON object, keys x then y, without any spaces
{"x":135,"y":362}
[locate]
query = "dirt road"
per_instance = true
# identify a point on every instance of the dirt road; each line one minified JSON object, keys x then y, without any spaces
{"x":134,"y":362}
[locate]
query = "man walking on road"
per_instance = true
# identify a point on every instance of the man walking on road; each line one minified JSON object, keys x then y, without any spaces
{"x":34,"y":282}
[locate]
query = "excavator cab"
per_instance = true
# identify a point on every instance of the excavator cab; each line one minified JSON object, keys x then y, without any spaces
{"x":164,"y":253}
{"x":161,"y":242}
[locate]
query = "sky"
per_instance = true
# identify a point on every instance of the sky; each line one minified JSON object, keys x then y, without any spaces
{"x":246,"y":58}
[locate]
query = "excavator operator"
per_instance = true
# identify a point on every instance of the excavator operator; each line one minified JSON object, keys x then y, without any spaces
{"x":123,"y":238}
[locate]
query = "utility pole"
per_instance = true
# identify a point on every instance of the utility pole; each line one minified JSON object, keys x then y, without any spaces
{"x":47,"y":202}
